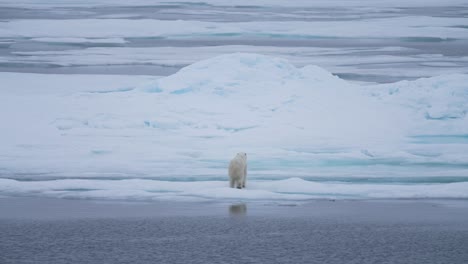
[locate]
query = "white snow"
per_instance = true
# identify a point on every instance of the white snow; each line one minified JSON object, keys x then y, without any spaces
{"x":441,"y":98}
{"x":180,"y":131}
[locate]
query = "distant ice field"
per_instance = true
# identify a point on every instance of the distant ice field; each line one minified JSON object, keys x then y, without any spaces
{"x":364,"y":41}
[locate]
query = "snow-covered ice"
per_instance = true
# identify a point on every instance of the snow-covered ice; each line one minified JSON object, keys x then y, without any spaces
{"x":142,"y":137}
{"x":289,"y":190}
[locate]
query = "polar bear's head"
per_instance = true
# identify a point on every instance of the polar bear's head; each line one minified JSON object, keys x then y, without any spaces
{"x":242,"y":155}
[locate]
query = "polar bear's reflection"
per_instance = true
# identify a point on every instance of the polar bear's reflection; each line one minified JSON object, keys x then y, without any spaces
{"x":238,"y":210}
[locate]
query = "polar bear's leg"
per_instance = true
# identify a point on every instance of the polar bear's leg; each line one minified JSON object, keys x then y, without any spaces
{"x":239,"y":184}
{"x":231,"y":182}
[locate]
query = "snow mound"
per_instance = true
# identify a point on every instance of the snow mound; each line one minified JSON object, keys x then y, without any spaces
{"x":231,"y":72}
{"x":238,"y":92}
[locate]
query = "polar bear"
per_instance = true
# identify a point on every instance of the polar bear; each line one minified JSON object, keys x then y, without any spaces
{"x":238,"y":171}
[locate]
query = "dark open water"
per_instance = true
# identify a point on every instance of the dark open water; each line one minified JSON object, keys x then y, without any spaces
{"x":224,"y":240}
{"x":65,"y":231}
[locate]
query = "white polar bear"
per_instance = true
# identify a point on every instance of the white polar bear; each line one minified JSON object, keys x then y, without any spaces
{"x":238,"y":171}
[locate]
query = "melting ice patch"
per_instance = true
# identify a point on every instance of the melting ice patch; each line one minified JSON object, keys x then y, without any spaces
{"x":293,"y":122}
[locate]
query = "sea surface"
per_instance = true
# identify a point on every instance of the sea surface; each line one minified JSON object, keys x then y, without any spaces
{"x":74,"y":231}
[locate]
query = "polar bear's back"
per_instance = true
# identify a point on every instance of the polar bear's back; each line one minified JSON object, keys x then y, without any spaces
{"x":236,"y":168}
